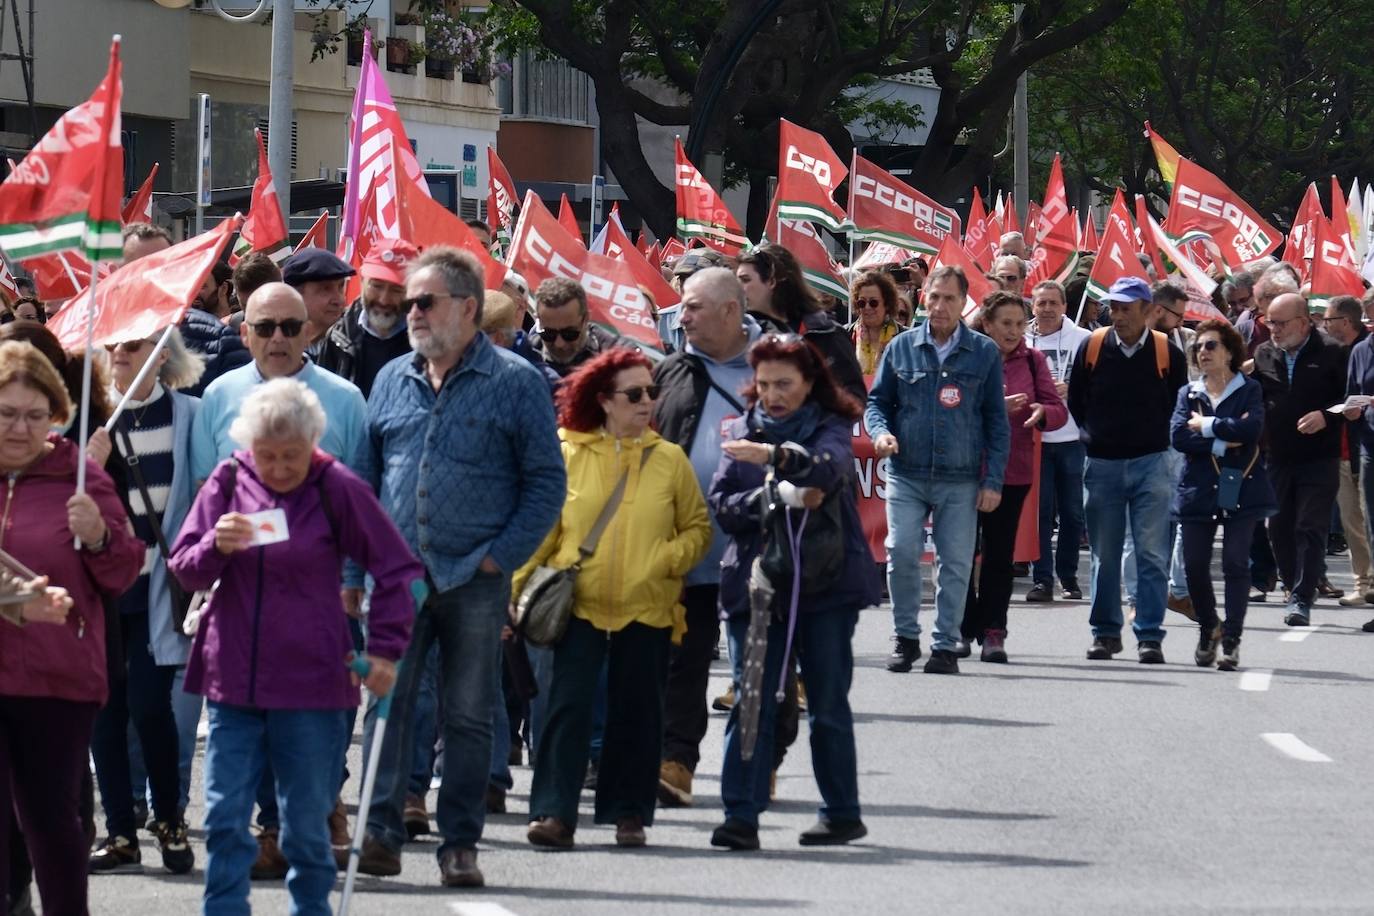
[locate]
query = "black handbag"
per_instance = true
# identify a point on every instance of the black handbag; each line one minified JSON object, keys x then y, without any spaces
{"x":814,"y":536}
{"x":181,"y":599}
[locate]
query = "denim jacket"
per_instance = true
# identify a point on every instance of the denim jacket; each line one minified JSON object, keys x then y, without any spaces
{"x":950,"y":420}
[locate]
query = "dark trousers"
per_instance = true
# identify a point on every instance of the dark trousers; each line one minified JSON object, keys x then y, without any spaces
{"x":43,"y":748}
{"x":986,"y":607}
{"x":636,"y":662}
{"x":1262,"y":565}
{"x":1061,"y":494}
{"x":1306,"y":492}
{"x":1235,"y":571}
{"x":689,"y":671}
{"x":143,"y":696}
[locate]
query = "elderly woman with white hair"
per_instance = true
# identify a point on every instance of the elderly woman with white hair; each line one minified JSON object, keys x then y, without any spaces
{"x":269,"y":533}
{"x":152,"y":443}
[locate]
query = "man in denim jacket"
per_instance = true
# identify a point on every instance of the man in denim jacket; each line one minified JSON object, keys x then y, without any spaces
{"x":937,"y":413}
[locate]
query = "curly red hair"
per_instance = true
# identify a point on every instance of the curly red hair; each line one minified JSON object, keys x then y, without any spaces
{"x":578,"y":406}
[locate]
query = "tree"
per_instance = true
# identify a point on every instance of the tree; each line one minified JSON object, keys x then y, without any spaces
{"x":1268,"y":95}
{"x":730,"y":69}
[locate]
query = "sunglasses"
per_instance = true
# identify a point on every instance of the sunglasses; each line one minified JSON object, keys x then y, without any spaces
{"x":783,"y":339}
{"x":868,"y":303}
{"x":549,"y":335}
{"x":128,"y":346}
{"x":636,"y":394}
{"x":290,"y":327}
{"x":1207,"y":345}
{"x":424,"y":302}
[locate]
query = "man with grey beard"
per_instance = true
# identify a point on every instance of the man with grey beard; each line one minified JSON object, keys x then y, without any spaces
{"x":372,"y":332}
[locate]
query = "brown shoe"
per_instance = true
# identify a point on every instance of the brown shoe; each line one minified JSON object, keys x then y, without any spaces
{"x":271,"y":865}
{"x":674,"y":785}
{"x":377,"y":859}
{"x":496,"y":800}
{"x":458,"y":868}
{"x":629,"y":831}
{"x":551,"y":833}
{"x":1183,"y":606}
{"x":339,"y":838}
{"x":416,"y":816}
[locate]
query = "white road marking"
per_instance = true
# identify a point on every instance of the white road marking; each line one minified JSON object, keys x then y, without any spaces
{"x":1294,"y":747}
{"x":1257,"y":681}
{"x":480,"y":909}
{"x":1298,"y":634}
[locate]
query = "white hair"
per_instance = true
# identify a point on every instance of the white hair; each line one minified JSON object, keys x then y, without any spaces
{"x":184,"y":367}
{"x":718,"y":285}
{"x":280,"y":409}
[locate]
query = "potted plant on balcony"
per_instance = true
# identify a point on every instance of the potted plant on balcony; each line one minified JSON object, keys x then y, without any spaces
{"x":460,"y":42}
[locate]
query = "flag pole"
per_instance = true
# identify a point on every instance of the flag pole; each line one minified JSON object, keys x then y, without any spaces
{"x":140,"y":378}
{"x":850,"y":265}
{"x":1082,"y":302}
{"x":83,"y":433}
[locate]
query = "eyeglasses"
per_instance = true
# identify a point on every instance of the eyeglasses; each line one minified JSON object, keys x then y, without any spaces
{"x":290,"y":327}
{"x":868,"y":303}
{"x":636,"y":394}
{"x":549,"y":335}
{"x":130,"y":346}
{"x":1330,"y":318}
{"x":424,"y":302}
{"x":10,"y":417}
{"x":1206,"y":345}
{"x":1282,"y":323}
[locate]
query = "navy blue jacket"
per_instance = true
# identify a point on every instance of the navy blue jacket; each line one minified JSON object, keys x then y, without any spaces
{"x":825,"y":460}
{"x":1238,"y":418}
{"x":218,"y":342}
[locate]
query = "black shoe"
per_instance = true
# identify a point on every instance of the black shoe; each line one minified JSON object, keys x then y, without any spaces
{"x":1071,"y":592}
{"x":1368,"y":627}
{"x":833,"y":833}
{"x":962,"y":649}
{"x":1040,"y":591}
{"x":942,"y":661}
{"x":1327,"y":590}
{"x":1257,"y":595}
{"x":1230,"y":654}
{"x":735,"y":834}
{"x":1020,"y":570}
{"x":1104,"y":647}
{"x":1206,"y":652}
{"x":1298,"y":616}
{"x":177,"y":857}
{"x":1336,"y":545}
{"x":117,"y":856}
{"x":1150,"y":652}
{"x":904,"y":654}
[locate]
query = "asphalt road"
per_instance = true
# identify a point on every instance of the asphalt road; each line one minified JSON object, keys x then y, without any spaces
{"x":1050,"y":785}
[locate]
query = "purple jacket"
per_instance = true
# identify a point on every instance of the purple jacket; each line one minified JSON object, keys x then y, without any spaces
{"x":274,"y":635}
{"x":1025,"y":371}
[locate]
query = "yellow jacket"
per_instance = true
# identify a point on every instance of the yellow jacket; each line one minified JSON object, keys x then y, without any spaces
{"x":659,"y":532}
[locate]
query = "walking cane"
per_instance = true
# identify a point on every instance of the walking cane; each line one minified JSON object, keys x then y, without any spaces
{"x":362,"y":667}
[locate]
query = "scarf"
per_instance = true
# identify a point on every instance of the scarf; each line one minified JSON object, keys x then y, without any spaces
{"x":798,"y":426}
{"x":869,"y":353}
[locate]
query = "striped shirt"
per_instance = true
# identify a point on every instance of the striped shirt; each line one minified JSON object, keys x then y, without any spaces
{"x":148,"y":425}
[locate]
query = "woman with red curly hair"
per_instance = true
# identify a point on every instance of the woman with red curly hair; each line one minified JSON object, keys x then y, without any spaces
{"x":626,"y":607}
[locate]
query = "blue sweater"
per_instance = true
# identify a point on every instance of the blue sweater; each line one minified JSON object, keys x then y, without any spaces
{"x":471,"y":470}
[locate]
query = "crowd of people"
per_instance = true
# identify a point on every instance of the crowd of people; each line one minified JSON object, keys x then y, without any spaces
{"x":298,"y":480}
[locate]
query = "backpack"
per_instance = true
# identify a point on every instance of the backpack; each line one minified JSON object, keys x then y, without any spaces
{"x":1161,"y":350}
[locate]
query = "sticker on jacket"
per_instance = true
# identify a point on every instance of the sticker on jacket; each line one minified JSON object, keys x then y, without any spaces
{"x":951,"y":396}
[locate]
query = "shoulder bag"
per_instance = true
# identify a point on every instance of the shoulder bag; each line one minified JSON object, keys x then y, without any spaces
{"x":546,"y":602}
{"x":181,"y":599}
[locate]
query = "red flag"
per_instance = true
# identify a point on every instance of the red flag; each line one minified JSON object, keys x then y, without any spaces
{"x":1031,"y":231}
{"x":1202,"y":201}
{"x":65,"y":193}
{"x":1297,"y":250}
{"x":1090,"y":242}
{"x":1146,"y":239}
{"x":1115,"y":259}
{"x":1010,"y":218}
{"x":140,"y":299}
{"x":1198,"y":285}
{"x":701,"y":214}
{"x":800,"y":237}
{"x":541,"y":248}
{"x":425,"y":222}
{"x":884,"y":208}
{"x":882,"y":253}
{"x":655,"y":255}
{"x":978,"y":243}
{"x":619,"y":247}
{"x":568,"y":219}
{"x":140,"y":206}
{"x":673,"y":248}
{"x":62,"y":274}
{"x":1056,"y":248}
{"x":979,"y":286}
{"x":808,"y":174}
{"x":318,"y":234}
{"x":1340,"y":217}
{"x":642,"y":243}
{"x":264,"y":229}
{"x":1333,"y":269}
{"x":501,"y":197}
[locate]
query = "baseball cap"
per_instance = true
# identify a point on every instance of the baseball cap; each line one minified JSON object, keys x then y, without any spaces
{"x":698,"y":259}
{"x":314,"y":264}
{"x":387,"y":261}
{"x":1129,"y":289}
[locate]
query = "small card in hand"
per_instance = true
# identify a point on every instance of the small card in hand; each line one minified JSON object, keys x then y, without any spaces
{"x":269,"y":527}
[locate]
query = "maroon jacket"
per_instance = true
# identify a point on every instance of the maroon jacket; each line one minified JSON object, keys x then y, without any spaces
{"x":64,"y":661}
{"x":1024,"y":371}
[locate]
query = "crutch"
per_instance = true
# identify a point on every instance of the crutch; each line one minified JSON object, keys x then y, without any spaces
{"x":362,"y":667}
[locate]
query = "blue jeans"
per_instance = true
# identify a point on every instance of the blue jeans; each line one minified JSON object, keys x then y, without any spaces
{"x":466,"y":622}
{"x":306,"y":748}
{"x":822,"y":646}
{"x":953,"y":527}
{"x":1061,"y":493}
{"x":426,"y":714}
{"x":1112,"y":488}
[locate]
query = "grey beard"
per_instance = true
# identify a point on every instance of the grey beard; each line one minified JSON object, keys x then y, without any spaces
{"x":382,"y":321}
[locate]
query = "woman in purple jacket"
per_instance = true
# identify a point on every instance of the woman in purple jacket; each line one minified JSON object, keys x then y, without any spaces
{"x":1032,"y":403}
{"x":269,"y":532}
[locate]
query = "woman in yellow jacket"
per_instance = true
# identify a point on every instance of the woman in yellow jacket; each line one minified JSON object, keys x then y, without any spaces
{"x":626,"y":602}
